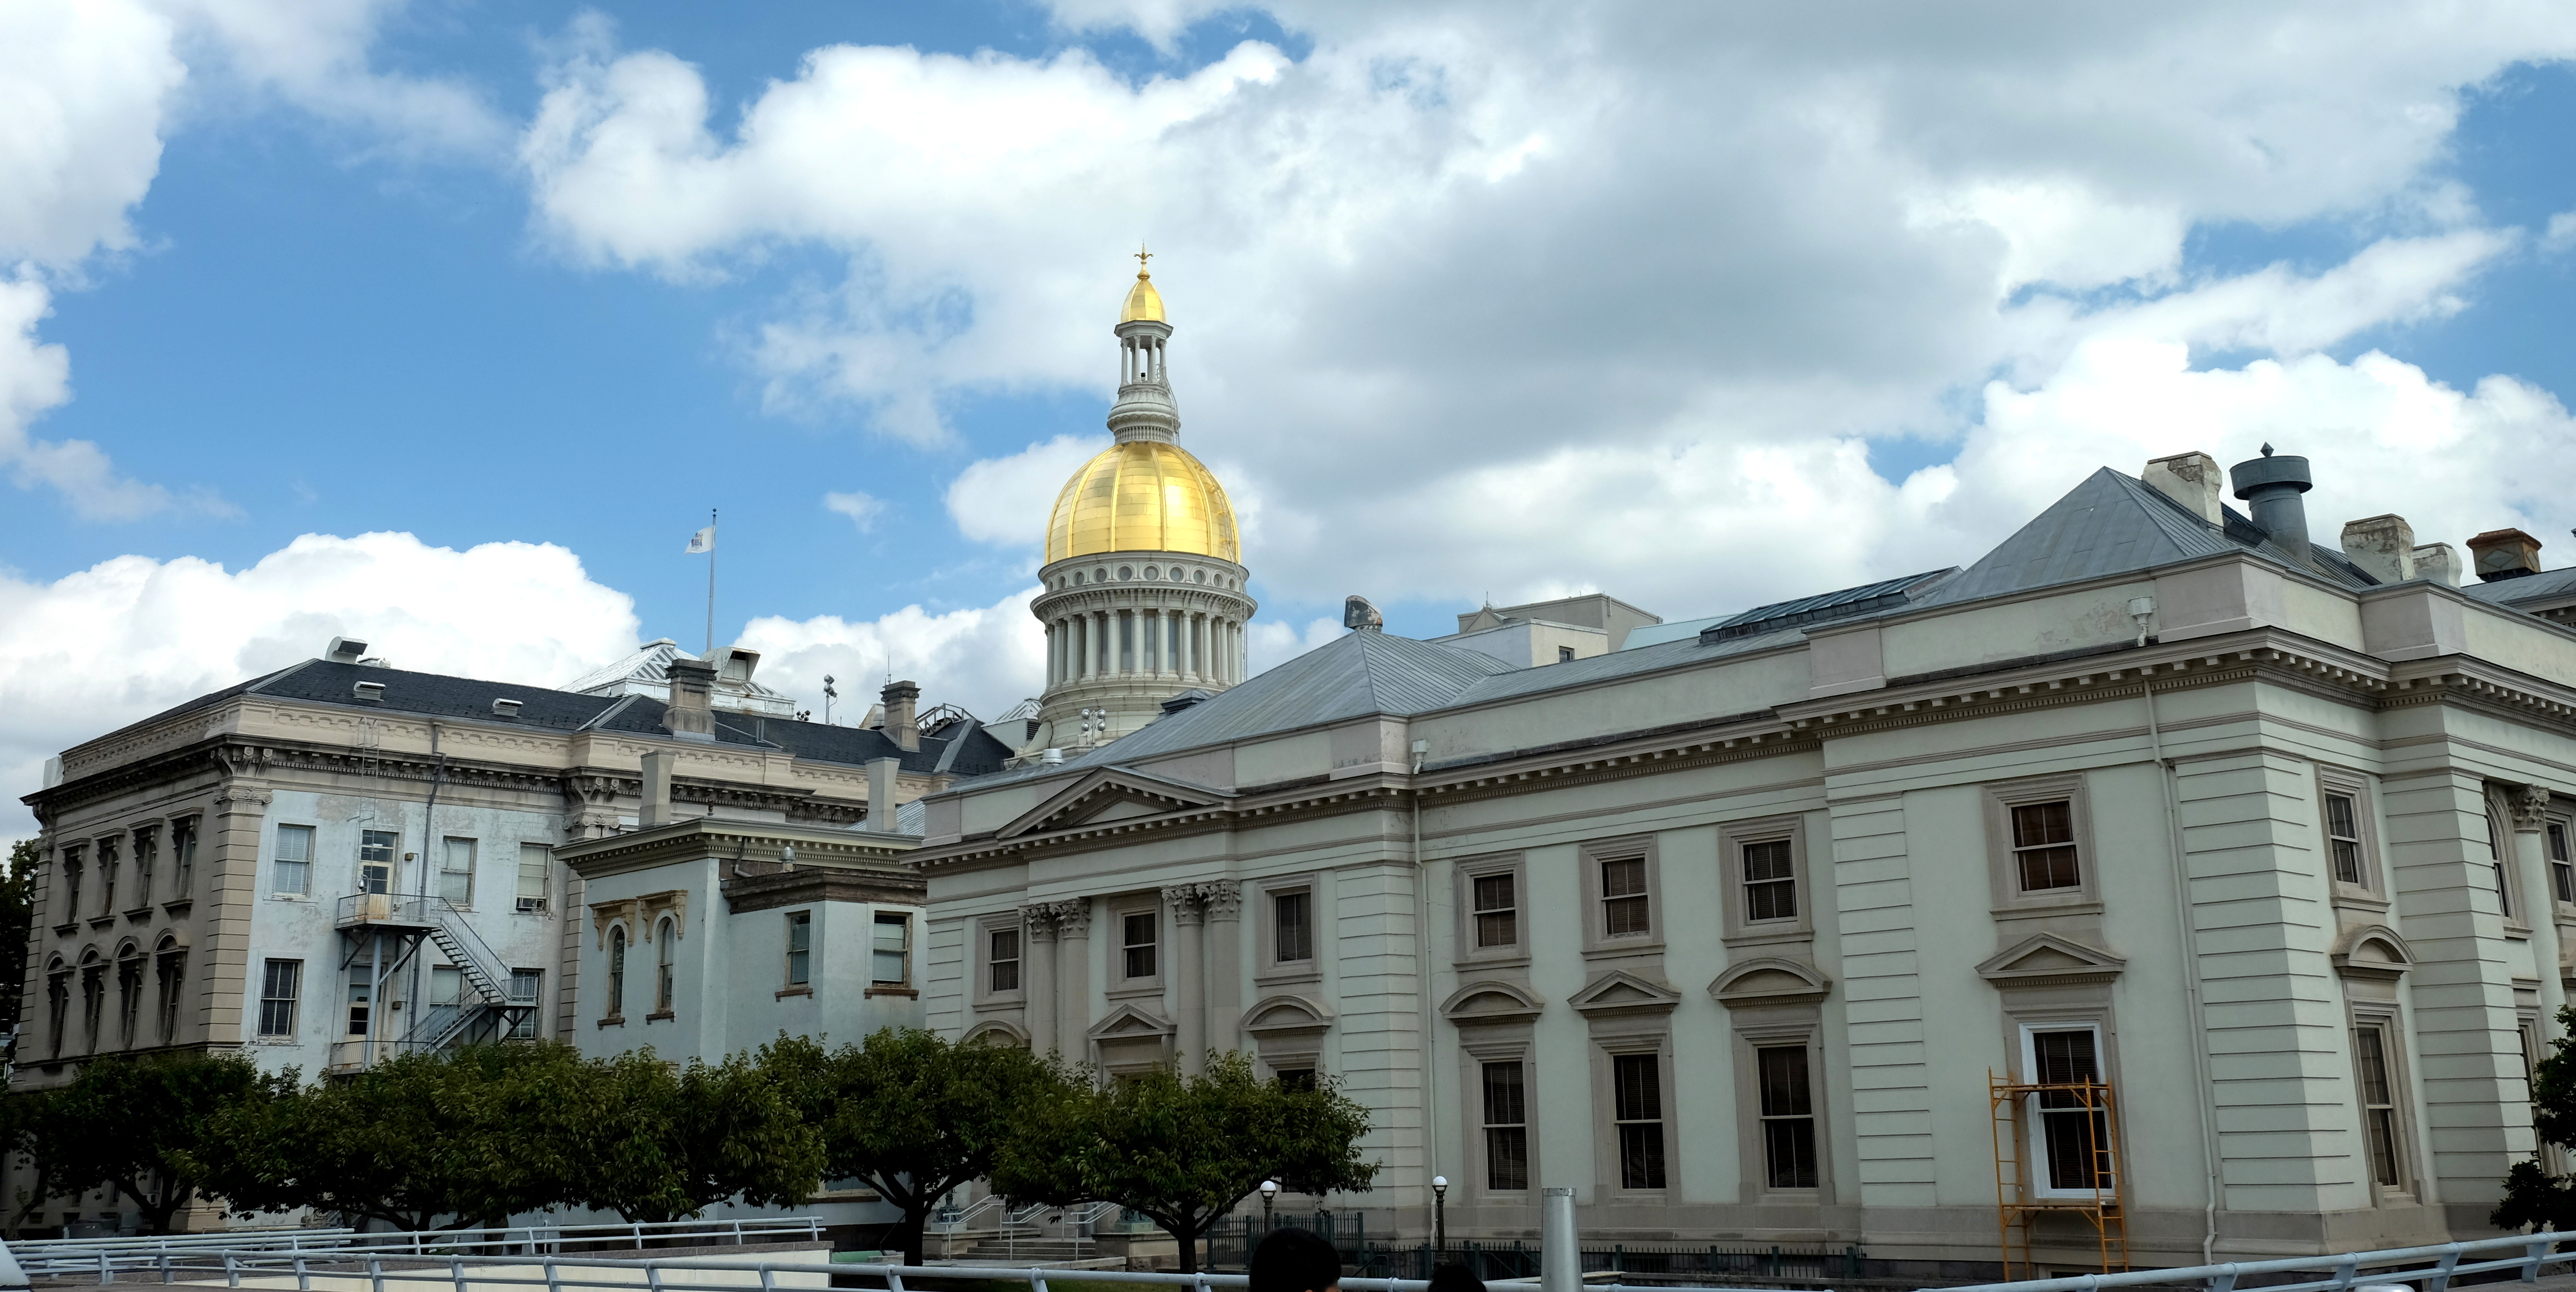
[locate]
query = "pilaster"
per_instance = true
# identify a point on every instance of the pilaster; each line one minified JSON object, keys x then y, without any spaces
{"x":1189,"y":975}
{"x":2531,"y":863}
{"x":228,"y":865}
{"x":1073,"y":974}
{"x":1039,"y":919}
{"x":1883,"y":1003}
{"x":1224,"y":899}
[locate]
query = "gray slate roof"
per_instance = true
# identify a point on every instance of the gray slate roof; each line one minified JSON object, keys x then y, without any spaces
{"x":2544,"y":586}
{"x":2115,"y":524}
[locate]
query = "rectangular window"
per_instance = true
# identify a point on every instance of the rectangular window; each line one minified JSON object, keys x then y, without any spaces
{"x":376,"y":860}
{"x":2562,"y":868}
{"x":526,"y":987}
{"x":1498,"y":915}
{"x":456,"y":872}
{"x":2504,"y":889}
{"x":2378,"y":1104}
{"x":107,"y":876}
{"x":1623,"y":899}
{"x":2343,"y":837}
{"x":1506,"y":1127}
{"x":1136,"y":938}
{"x":892,"y":963}
{"x":1292,"y":926}
{"x":534,"y":861}
{"x":1637,"y":1105}
{"x":2044,"y":845}
{"x":362,"y":991}
{"x":71,"y":884}
{"x":147,"y":852}
{"x":1296,"y":1080}
{"x":1788,"y":1113}
{"x":446,"y":985}
{"x":800,"y":948}
{"x":183,"y":857}
{"x":1770,"y":882}
{"x":2075,"y":1135}
{"x":292,"y":872}
{"x":1002,"y":960}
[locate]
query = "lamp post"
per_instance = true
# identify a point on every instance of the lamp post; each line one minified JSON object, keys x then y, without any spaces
{"x":1439,"y":1217}
{"x":1269,"y":1193}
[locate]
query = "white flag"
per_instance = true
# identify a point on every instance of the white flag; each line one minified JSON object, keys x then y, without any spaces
{"x":702,"y":541}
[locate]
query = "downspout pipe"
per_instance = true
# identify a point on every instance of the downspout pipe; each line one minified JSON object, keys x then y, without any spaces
{"x":2167,"y":776}
{"x":1422,"y":939}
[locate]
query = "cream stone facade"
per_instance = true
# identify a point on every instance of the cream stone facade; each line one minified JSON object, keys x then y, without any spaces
{"x":1731,"y":932}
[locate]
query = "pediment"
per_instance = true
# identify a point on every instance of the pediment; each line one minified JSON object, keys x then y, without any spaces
{"x":2373,"y":951}
{"x":1286,"y":1015}
{"x":1490,"y":1001}
{"x":1620,"y":992}
{"x":997,"y":1034}
{"x":1769,"y":981}
{"x":1131,"y":1023}
{"x":2047,"y":960}
{"x":1106,"y":795}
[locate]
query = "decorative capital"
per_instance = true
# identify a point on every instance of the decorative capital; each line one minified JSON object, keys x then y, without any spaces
{"x":1039,"y":919}
{"x":1188,"y":906}
{"x":1224,"y":898}
{"x":2530,"y":808}
{"x":236,"y":799}
{"x":1073,"y":917}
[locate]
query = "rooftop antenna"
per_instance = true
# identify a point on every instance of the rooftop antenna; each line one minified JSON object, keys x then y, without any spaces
{"x":829,"y":695}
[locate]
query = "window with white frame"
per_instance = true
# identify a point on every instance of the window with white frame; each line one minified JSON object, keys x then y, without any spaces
{"x":1497,"y":909}
{"x":534,"y":861}
{"x":2044,"y":856}
{"x":1637,"y":1110}
{"x":2343,"y":837}
{"x":2562,"y":867}
{"x":1292,"y":926}
{"x":376,"y":849}
{"x":1506,"y":1109}
{"x":147,"y":852}
{"x":2069,"y":1119}
{"x":665,"y":936}
{"x":71,"y":884}
{"x":291,"y":870}
{"x":1001,"y":960}
{"x":2503,"y":881}
{"x":2382,"y":1134}
{"x":526,"y":987}
{"x":890,"y":963}
{"x":362,"y":995}
{"x":456,"y":871}
{"x":1770,"y":881}
{"x":1787,"y":1110}
{"x":800,"y":948}
{"x":183,"y":856}
{"x":281,"y":983}
{"x":1625,"y":909}
{"x":1137,"y":937}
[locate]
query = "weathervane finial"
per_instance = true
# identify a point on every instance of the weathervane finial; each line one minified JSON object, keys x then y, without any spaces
{"x":1142,"y":256}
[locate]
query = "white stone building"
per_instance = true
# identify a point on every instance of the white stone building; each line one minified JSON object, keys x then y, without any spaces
{"x":1732,"y":930}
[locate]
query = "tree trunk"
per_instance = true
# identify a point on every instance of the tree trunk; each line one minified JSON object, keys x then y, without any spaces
{"x":915,"y":1220}
{"x":1188,"y":1240}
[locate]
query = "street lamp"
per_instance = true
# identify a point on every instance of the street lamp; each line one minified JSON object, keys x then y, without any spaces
{"x":1439,"y":1217}
{"x":1269,"y":1193}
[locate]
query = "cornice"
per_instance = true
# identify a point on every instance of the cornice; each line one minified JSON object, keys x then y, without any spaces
{"x":714,"y":839}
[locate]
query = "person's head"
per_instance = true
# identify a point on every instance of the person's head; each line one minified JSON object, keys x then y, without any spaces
{"x":1295,"y":1260}
{"x":1454,"y":1277}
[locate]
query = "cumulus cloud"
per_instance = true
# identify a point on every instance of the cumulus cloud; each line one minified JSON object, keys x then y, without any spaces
{"x":863,"y":509}
{"x":1524,"y":298}
{"x":315,"y":56}
{"x":1007,"y":500}
{"x":129,"y":637}
{"x":983,"y":659}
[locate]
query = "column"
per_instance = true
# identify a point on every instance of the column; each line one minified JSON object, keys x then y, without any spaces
{"x":2530,"y":809}
{"x":1038,"y":1000}
{"x":228,"y":870}
{"x":1224,"y":900}
{"x":1054,"y":650}
{"x":1163,"y":643}
{"x":1073,"y":978}
{"x":1091,"y":660}
{"x":1188,"y":975}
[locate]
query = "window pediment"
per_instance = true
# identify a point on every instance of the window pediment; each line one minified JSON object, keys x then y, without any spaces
{"x":1106,"y":795}
{"x":996,"y":1033}
{"x":2373,"y":952}
{"x":2047,"y":960}
{"x":1132,"y":1023}
{"x":1287,"y":1015}
{"x":1490,"y":1001}
{"x":1769,"y":981}
{"x":1621,"y":994}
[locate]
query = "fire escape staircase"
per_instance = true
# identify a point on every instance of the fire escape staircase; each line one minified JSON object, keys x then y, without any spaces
{"x":483,"y":1009}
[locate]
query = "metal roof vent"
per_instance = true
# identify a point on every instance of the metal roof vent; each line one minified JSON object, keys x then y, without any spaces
{"x":370,"y":692}
{"x":506,"y":709}
{"x":346,"y":650}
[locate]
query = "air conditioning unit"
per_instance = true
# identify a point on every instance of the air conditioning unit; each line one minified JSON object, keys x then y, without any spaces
{"x":532,"y":903}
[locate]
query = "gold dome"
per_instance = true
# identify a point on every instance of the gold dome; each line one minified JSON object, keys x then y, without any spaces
{"x":1144,"y":496}
{"x":1144,"y":304}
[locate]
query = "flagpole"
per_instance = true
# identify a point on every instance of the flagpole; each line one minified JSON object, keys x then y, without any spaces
{"x":711,"y":587}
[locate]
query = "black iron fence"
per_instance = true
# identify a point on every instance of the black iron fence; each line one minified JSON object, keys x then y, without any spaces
{"x":1230,"y":1247}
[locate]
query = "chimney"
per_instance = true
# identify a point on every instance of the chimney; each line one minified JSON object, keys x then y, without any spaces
{"x":345,"y":650}
{"x":2504,"y":554}
{"x":693,"y":714}
{"x":881,"y":793}
{"x":2383,"y":546}
{"x":899,"y":728}
{"x":657,"y":790}
{"x":2439,"y":562}
{"x":2190,"y":479}
{"x":2271,"y":487}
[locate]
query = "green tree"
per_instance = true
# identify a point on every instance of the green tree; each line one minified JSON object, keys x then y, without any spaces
{"x":17,"y":919}
{"x":652,"y":1141}
{"x":136,"y":1124}
{"x":912,"y":1115}
{"x":462,"y":1138}
{"x":1184,"y":1151}
{"x":2533,"y":1198}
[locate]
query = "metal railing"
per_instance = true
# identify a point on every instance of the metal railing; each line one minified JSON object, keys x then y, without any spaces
{"x":172,"y":1256}
{"x":2432,"y":1267}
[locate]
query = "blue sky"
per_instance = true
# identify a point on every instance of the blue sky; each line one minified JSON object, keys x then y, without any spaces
{"x":1701,"y":308}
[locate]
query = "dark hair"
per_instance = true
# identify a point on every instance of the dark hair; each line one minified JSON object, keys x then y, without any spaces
{"x":1295,"y":1260}
{"x":1454,"y":1277}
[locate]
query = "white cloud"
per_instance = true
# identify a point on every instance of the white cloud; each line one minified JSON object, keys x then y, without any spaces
{"x":864,"y":510}
{"x":126,"y":638}
{"x":1271,"y":643}
{"x":1007,"y":500}
{"x":82,"y":90}
{"x":314,"y":55}
{"x":35,"y":378}
{"x":983,"y":659}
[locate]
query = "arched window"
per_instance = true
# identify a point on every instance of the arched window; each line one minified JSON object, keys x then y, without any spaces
{"x":173,"y":960}
{"x":662,"y":968}
{"x":617,"y":972}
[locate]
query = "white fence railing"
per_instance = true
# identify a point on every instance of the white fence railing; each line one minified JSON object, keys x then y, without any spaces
{"x":165,"y":1255}
{"x":2432,"y":1268}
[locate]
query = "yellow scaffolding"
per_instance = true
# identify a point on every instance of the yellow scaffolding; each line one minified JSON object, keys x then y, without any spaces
{"x":2019,"y":1204}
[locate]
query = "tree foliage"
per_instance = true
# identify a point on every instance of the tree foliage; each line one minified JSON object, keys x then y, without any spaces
{"x":137,"y":1124}
{"x":913,"y":1115}
{"x":655,"y":1142}
{"x":1183,"y":1151}
{"x":2533,"y":1198}
{"x":17,"y":921}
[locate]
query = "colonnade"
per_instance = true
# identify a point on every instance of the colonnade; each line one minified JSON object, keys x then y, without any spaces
{"x":1198,"y":970}
{"x":1143,"y":359}
{"x":1188,"y":645}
